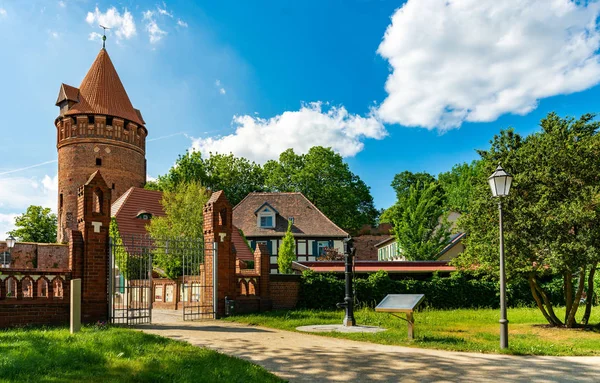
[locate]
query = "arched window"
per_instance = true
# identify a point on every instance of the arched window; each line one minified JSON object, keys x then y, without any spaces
{"x":27,"y":287}
{"x":58,"y":287}
{"x":42,"y":288}
{"x":98,"y":201}
{"x":11,"y":287}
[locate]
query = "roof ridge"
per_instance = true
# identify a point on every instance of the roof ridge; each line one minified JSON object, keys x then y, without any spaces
{"x":123,"y":197}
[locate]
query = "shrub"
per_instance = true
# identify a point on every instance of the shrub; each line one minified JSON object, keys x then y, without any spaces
{"x":323,"y":291}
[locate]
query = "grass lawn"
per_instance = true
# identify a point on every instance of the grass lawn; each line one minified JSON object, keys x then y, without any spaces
{"x":459,"y":330}
{"x":115,"y":355}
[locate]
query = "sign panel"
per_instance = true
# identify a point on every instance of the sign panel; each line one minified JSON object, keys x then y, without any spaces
{"x":400,"y":303}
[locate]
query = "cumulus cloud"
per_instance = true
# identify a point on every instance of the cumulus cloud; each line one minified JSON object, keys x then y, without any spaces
{"x":182,"y":23}
{"x":18,"y":193}
{"x":62,"y":4}
{"x":154,"y":32}
{"x":470,"y":60}
{"x":314,"y":124}
{"x":122,"y":25}
{"x":3,"y":12}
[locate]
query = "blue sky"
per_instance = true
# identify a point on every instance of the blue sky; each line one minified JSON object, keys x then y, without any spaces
{"x":391,"y":85}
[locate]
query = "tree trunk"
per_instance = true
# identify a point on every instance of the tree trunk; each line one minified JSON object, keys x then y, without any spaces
{"x":538,"y":300}
{"x":571,"y":322}
{"x":555,"y":321}
{"x":568,"y":288}
{"x":590,"y":295}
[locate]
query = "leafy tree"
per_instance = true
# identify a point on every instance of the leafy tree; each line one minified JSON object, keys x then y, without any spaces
{"x":37,"y":224}
{"x":420,"y":232}
{"x":236,"y":176}
{"x":552,"y":215}
{"x":458,"y":185}
{"x":287,"y":252}
{"x":404,"y":180}
{"x":131,"y":266}
{"x":326,"y":180}
{"x":181,"y":227}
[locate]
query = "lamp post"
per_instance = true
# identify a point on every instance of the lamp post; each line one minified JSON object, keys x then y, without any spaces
{"x":10,"y":243}
{"x":500,"y":182}
{"x":348,"y":303}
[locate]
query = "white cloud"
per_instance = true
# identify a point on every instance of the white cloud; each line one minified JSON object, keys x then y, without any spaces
{"x":471,"y":60}
{"x":54,"y":34}
{"x":182,"y":23}
{"x":62,"y":4}
{"x":95,"y":36}
{"x":18,"y":193}
{"x":218,"y":85}
{"x":3,"y":12}
{"x":7,"y":223}
{"x":163,"y":11}
{"x":154,"y":31}
{"x":264,"y":139}
{"x":123,"y":25}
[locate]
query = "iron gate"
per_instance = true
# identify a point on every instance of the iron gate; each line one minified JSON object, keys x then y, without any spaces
{"x":197,"y":293}
{"x":130,"y":281}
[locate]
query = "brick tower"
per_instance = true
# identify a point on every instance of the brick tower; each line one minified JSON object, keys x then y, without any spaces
{"x":97,"y":129}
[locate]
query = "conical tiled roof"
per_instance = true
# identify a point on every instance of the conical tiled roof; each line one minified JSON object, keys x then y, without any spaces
{"x":101,"y":92}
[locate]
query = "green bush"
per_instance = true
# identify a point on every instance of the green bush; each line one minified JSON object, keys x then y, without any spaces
{"x":323,"y":291}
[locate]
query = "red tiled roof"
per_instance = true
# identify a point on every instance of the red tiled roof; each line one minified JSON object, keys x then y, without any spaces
{"x":374,"y":266}
{"x":308,"y":220}
{"x":101,"y":92}
{"x":67,"y":92}
{"x":126,"y":208}
{"x":241,"y":248}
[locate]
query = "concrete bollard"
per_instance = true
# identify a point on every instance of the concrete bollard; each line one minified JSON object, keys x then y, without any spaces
{"x":75,"y":308}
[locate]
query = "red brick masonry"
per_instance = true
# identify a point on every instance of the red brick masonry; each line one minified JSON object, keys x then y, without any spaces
{"x":284,"y":290}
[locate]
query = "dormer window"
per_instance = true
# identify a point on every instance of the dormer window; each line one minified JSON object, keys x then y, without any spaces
{"x":266,"y":221}
{"x":144,"y":215}
{"x":265,"y":216}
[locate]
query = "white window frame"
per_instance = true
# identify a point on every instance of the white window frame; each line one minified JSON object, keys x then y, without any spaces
{"x":266,"y":212}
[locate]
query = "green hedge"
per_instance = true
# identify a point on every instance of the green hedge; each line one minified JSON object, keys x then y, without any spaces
{"x":323,"y":291}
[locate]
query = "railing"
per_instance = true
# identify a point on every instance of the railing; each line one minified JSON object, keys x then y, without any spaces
{"x":33,"y":285}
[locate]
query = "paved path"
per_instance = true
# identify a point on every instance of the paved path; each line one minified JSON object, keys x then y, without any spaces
{"x":300,"y":357}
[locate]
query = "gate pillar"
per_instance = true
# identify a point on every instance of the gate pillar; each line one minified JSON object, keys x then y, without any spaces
{"x":218,"y":215}
{"x":93,"y":220}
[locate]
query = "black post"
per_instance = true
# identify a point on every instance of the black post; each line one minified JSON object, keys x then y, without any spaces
{"x":349,"y":300}
{"x":503,"y":320}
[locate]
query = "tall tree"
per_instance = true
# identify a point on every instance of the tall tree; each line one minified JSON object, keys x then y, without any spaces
{"x":552,"y":215}
{"x":287,"y":252}
{"x":181,"y":227}
{"x":458,"y":185}
{"x":236,"y":176}
{"x":37,"y":224}
{"x":422,"y":230}
{"x":326,"y":180}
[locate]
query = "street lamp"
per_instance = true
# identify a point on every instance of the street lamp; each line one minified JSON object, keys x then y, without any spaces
{"x":10,"y":243}
{"x":500,"y":182}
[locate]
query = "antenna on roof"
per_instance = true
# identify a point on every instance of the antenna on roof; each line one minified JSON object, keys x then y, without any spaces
{"x":104,"y":37}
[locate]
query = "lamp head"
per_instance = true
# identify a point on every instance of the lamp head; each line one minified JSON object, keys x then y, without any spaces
{"x":500,"y":182}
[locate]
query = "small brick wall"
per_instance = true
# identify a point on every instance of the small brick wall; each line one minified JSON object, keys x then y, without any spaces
{"x":34,"y":313}
{"x":285,"y":290}
{"x":38,"y":255}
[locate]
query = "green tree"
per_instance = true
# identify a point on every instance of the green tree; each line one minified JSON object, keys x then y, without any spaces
{"x":287,"y":252}
{"x":236,"y":176}
{"x":422,"y":230}
{"x":458,"y":185}
{"x":180,"y":228}
{"x":552,"y":215}
{"x":326,"y":180}
{"x":37,"y":224}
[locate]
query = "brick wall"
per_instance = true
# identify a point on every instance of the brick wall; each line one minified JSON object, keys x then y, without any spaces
{"x":27,"y":255}
{"x":34,"y":313}
{"x":284,"y":291}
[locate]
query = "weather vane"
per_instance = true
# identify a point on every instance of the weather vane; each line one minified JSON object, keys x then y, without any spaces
{"x":104,"y":37}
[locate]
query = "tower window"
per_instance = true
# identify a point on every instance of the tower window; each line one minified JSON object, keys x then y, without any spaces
{"x":113,"y":187}
{"x":109,"y":121}
{"x":98,"y":161}
{"x":98,"y":201}
{"x":90,"y":119}
{"x":60,"y":202}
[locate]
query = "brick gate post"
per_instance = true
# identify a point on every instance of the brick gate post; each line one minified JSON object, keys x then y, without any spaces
{"x":218,"y":215}
{"x":93,"y":220}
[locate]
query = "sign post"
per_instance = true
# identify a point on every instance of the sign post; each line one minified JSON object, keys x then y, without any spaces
{"x":402,"y":303}
{"x":75,"y":309}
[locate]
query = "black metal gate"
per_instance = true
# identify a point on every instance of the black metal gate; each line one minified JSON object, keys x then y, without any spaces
{"x":197,"y":293}
{"x":130,"y":281}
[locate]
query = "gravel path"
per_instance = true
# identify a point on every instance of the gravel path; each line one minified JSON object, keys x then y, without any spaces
{"x":300,"y":357}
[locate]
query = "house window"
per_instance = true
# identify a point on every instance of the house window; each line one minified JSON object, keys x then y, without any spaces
{"x":291,"y":219}
{"x":266,"y":221}
{"x":145,"y":216}
{"x":98,"y":161}
{"x":321,"y":246}
{"x":5,"y":259}
{"x":158,"y":293}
